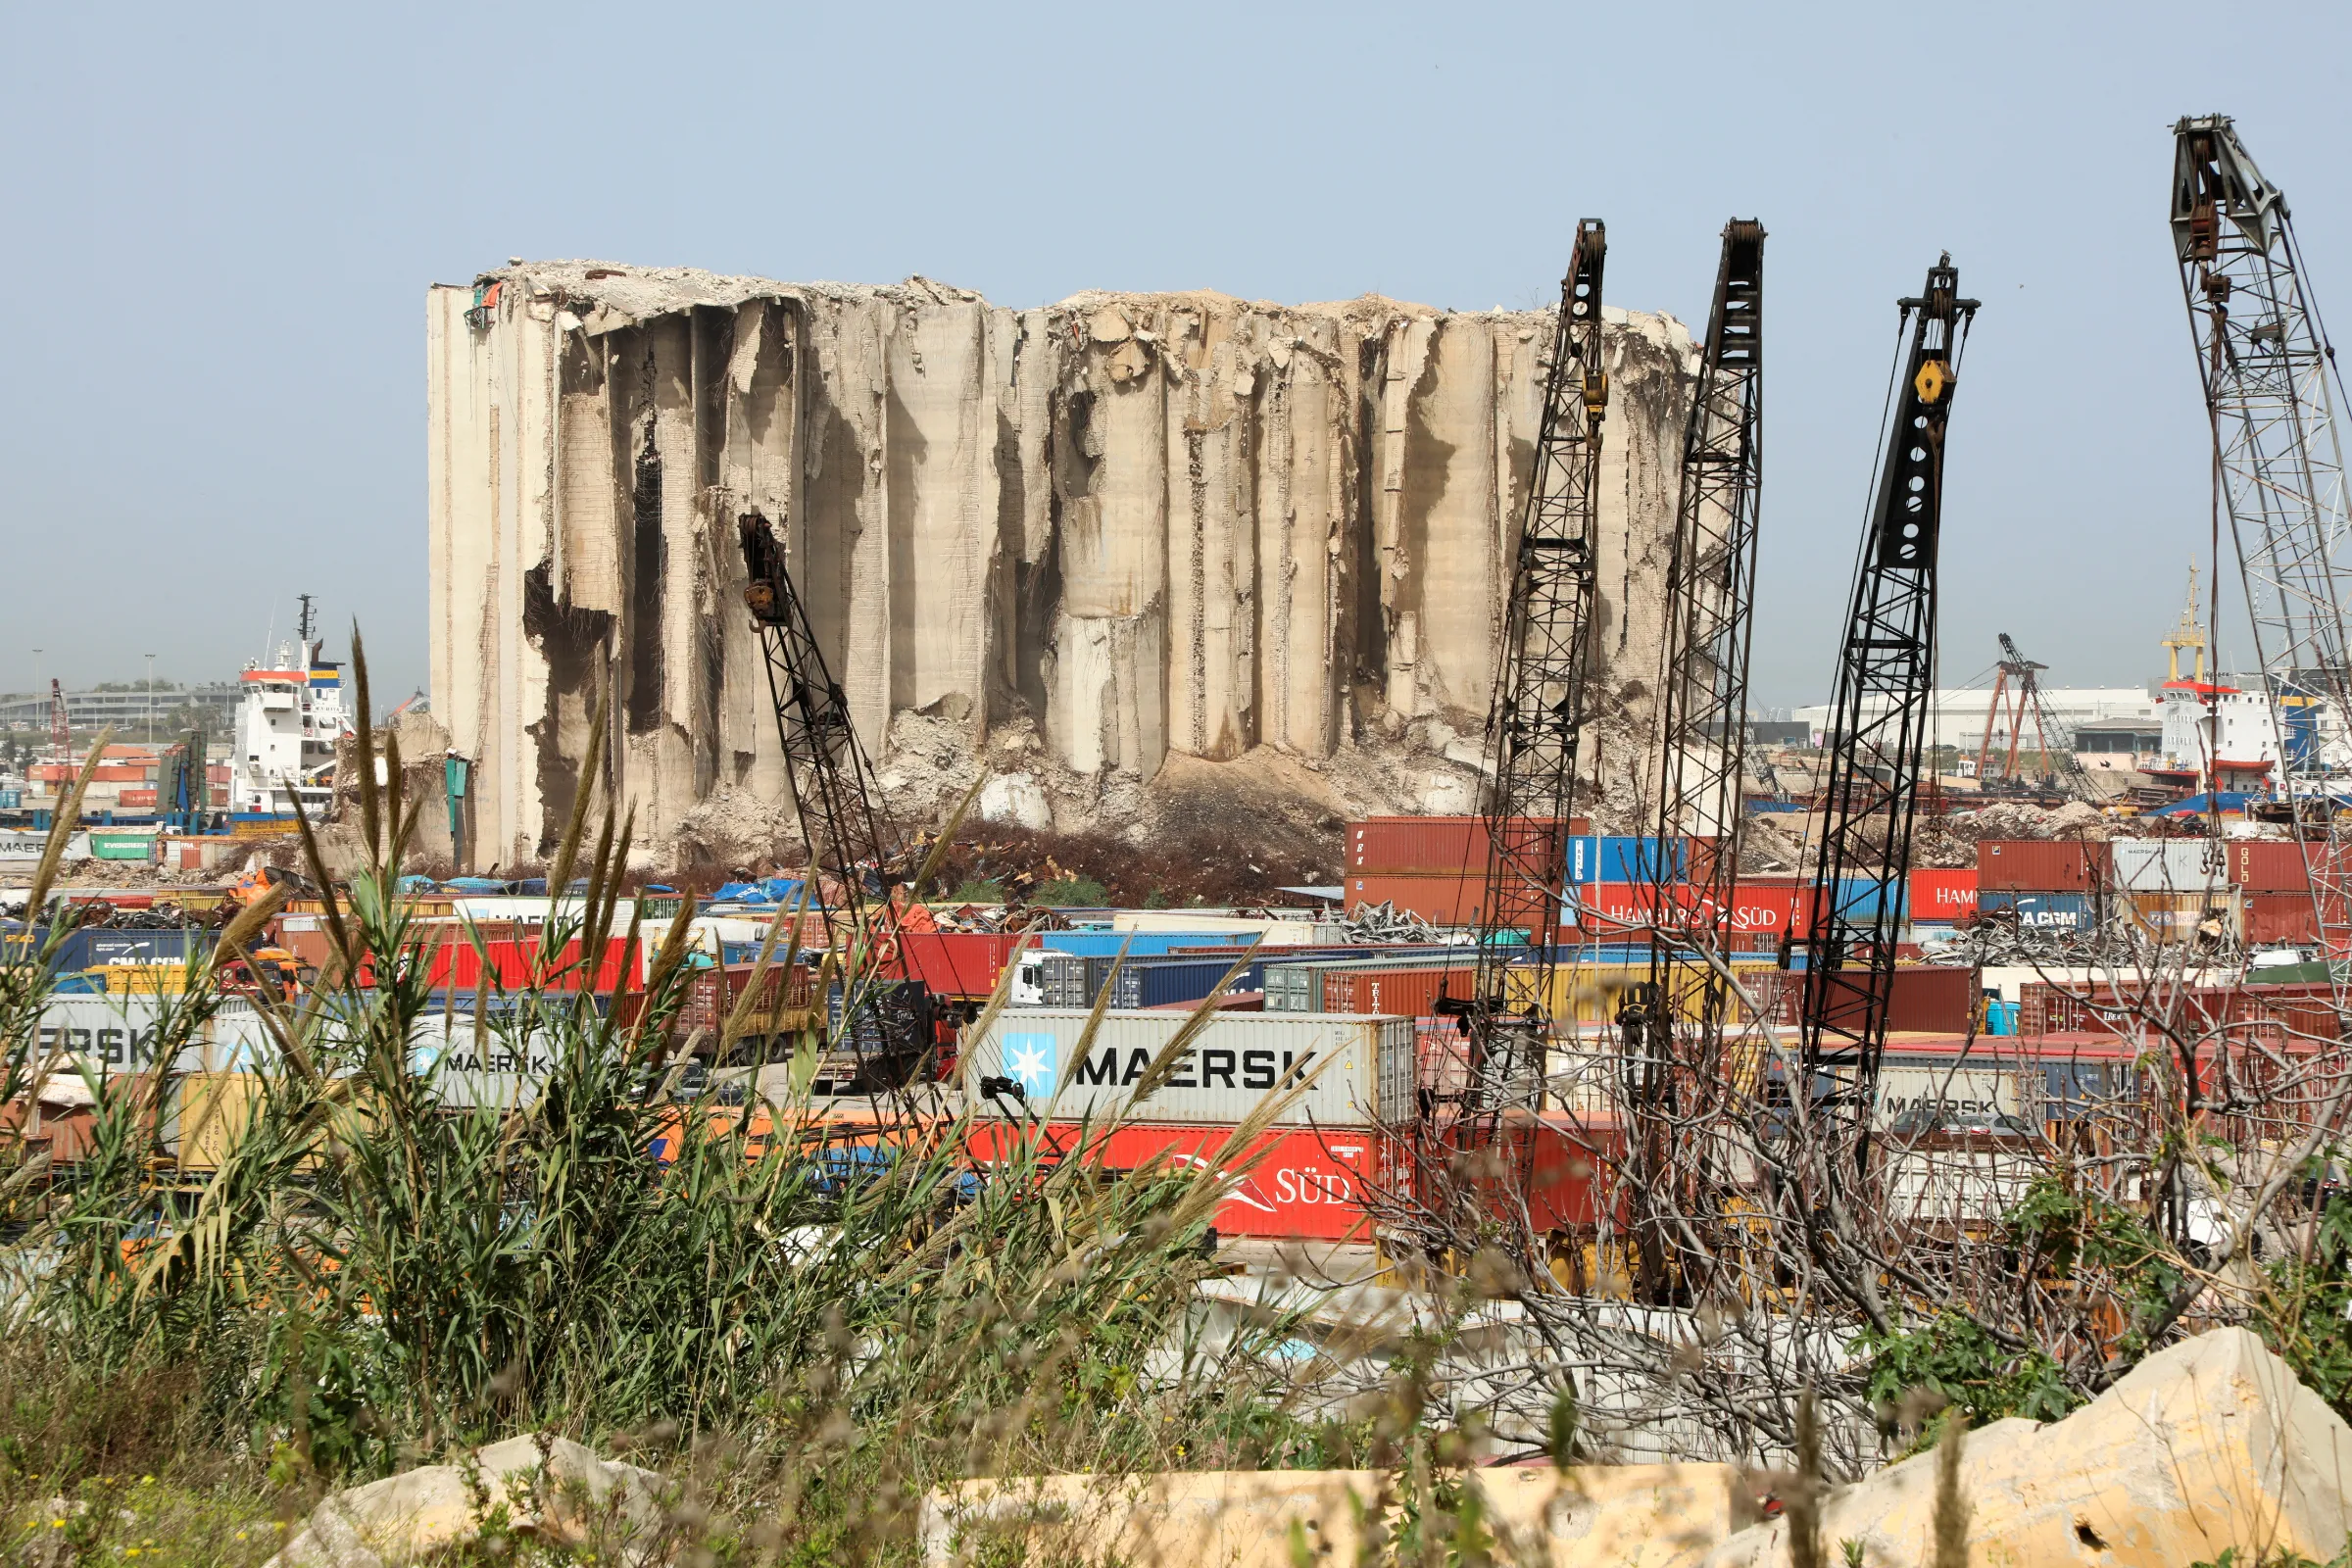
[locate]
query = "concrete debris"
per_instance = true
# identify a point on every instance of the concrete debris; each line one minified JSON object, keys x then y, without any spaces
{"x":553,"y":1492}
{"x":1145,"y":527}
{"x":1626,"y":1516}
{"x":2208,"y":1445}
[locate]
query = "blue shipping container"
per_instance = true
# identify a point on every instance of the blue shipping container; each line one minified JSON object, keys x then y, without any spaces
{"x":2041,"y":912}
{"x":1594,"y":858}
{"x":1160,"y":982}
{"x":1139,"y":943}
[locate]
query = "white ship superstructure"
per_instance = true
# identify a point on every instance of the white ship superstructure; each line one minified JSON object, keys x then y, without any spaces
{"x":287,"y":729}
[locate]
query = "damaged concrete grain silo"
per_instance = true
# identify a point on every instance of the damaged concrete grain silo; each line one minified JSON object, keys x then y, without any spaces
{"x":1069,"y":547}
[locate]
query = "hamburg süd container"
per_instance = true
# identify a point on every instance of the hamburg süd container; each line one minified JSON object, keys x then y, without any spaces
{"x":1308,"y":1183}
{"x":1357,"y":1072}
{"x":1939,"y":897}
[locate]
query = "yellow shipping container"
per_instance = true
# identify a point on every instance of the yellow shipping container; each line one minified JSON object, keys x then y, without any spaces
{"x":1590,"y":994}
{"x":212,"y":1111}
{"x":143,"y":979}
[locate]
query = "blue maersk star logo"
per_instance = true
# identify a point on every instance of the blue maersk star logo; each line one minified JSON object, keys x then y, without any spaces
{"x":1031,"y":1061}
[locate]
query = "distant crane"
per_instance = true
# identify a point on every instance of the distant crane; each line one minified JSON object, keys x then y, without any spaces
{"x":2271,"y":390}
{"x":61,"y":729}
{"x":1537,"y":719}
{"x":2018,"y":698}
{"x":1877,"y":723}
{"x":2190,"y":634}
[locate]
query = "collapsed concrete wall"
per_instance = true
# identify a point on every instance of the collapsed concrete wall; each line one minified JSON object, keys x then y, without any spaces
{"x":1125,"y":526}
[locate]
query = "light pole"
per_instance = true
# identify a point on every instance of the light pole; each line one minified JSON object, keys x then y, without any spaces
{"x":151,"y":699}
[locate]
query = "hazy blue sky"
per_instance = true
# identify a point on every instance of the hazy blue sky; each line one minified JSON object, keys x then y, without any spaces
{"x":224,"y":220}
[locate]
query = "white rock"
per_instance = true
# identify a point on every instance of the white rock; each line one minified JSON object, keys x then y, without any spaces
{"x":1016,"y":798}
{"x":560,"y":1494}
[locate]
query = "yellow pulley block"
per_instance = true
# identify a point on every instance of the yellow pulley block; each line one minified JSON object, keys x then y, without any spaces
{"x":1934,"y":381}
{"x":1596,"y":393}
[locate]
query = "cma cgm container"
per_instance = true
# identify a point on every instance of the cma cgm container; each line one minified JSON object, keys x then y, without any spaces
{"x":2041,"y":912}
{"x":1361,"y":1068}
{"x":1102,"y":944}
{"x":1421,"y":845}
{"x":1309,"y":1183}
{"x":2041,"y":866}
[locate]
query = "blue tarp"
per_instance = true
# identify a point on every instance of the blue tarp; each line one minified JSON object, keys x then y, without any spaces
{"x":2199,"y":805}
{"x":784,"y":890}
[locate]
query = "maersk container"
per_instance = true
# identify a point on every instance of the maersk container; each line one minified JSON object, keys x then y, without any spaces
{"x":2041,"y":912}
{"x":1357,"y":1071}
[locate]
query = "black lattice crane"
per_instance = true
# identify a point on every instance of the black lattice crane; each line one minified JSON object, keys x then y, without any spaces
{"x":1877,"y":726}
{"x":1536,"y":721}
{"x":831,"y":777}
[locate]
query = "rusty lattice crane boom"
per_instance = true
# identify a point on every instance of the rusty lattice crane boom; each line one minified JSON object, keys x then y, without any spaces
{"x":2271,"y":391}
{"x":1538,"y":715}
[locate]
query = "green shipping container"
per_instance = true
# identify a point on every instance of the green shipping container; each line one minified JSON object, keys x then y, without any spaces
{"x":122,"y":846}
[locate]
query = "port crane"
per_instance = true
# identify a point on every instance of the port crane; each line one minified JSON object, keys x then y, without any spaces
{"x":2271,"y":392}
{"x":1537,"y":717}
{"x":1877,"y":724}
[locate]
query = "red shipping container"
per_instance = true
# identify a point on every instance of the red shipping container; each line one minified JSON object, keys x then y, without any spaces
{"x":1425,"y":845}
{"x":2041,"y":865}
{"x":1942,"y":895}
{"x":1925,"y":999}
{"x":1761,"y":907}
{"x":1304,"y":1183}
{"x":1441,"y":898}
{"x":961,"y":964}
{"x":134,"y":797}
{"x":2270,"y":865}
{"x":2278,"y":917}
{"x":1402,"y":993}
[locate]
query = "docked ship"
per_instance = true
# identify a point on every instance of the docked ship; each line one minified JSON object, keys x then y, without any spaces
{"x":288,"y":725}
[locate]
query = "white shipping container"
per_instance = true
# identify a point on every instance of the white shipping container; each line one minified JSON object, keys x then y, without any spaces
{"x":1948,"y":1099}
{"x":1361,"y":1067}
{"x":2164,"y":865}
